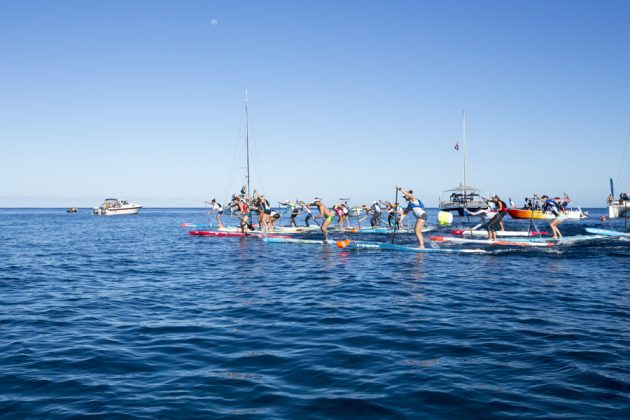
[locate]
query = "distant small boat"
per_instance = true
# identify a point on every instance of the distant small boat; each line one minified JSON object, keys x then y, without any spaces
{"x":72,"y":210}
{"x":115,"y":207}
{"x":355,"y":211}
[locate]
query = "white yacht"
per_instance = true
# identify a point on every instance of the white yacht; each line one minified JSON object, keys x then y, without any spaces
{"x":114,"y":207}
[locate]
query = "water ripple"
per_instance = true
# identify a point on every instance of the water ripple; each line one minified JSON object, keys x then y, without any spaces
{"x":131,"y":317}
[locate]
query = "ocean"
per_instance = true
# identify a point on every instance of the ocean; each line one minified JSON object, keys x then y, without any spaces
{"x":132,"y":317}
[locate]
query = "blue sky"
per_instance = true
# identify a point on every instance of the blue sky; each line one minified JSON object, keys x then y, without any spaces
{"x":143,"y":100}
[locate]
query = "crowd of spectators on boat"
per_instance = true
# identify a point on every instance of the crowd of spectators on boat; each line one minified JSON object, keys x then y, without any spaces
{"x":623,"y":197}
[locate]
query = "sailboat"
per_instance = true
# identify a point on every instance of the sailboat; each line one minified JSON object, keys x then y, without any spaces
{"x":463,"y":196}
{"x":620,"y":207}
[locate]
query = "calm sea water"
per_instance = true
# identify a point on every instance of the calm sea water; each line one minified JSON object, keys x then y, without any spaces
{"x":132,"y":317}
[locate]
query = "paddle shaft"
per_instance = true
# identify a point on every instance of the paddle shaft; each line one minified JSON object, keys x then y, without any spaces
{"x":395,"y":216}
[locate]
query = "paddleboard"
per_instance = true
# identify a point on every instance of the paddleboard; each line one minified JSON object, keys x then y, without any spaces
{"x":487,"y":242}
{"x":389,"y":231}
{"x":350,"y":245}
{"x":607,"y":232}
{"x":277,"y":240}
{"x":298,"y":229}
{"x":195,"y":225}
{"x":568,"y":240}
{"x":220,"y":234}
{"x":501,"y":233}
{"x":215,"y":233}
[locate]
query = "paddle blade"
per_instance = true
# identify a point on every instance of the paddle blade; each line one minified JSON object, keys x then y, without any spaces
{"x":437,"y":238}
{"x":344,"y":243}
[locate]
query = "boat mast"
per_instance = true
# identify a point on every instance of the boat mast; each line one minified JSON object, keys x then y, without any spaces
{"x":247,"y":141}
{"x":464,"y":140}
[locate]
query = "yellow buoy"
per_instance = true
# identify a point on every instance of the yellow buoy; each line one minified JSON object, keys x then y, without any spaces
{"x":445,"y":218}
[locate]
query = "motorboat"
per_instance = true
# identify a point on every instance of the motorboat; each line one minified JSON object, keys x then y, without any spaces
{"x":463,"y":197}
{"x":115,"y":207}
{"x":355,"y":211}
{"x":72,"y":210}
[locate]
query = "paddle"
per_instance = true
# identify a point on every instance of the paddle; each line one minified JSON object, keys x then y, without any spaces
{"x":466,"y":210}
{"x":531,"y":216}
{"x":395,"y":215}
{"x":241,"y":218}
{"x":209,"y":214}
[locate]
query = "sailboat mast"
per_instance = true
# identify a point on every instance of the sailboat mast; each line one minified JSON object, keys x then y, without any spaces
{"x":247,"y":141}
{"x":464,"y":140}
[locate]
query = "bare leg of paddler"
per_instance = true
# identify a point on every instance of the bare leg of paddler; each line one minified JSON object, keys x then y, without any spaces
{"x":325,"y":225}
{"x":418,"y":231}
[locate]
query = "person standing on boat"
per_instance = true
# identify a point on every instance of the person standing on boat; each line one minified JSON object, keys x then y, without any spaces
{"x":501,"y":209}
{"x":415,"y":206}
{"x":324,"y":212}
{"x":558,"y":211}
{"x":218,"y":208}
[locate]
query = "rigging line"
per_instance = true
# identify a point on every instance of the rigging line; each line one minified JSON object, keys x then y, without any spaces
{"x":238,"y":149}
{"x":256,"y":159}
{"x":624,"y":174}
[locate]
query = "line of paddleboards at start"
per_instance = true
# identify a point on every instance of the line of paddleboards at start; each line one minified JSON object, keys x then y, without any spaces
{"x":514,"y":239}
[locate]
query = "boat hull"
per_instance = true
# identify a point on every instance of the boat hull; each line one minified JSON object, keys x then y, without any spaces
{"x":529,"y":214}
{"x":121,"y":211}
{"x":618,"y":210}
{"x":537,"y":214}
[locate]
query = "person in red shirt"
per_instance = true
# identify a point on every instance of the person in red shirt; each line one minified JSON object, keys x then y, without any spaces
{"x":501,"y":209}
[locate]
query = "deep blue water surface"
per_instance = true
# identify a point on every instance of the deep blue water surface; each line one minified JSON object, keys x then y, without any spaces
{"x":132,"y":317}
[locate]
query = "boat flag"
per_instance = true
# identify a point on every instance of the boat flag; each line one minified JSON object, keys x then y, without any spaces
{"x":456,"y":146}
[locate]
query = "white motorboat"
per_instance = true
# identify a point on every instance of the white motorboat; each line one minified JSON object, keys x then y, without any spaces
{"x":115,"y":207}
{"x":576,"y":214}
{"x":355,"y":211}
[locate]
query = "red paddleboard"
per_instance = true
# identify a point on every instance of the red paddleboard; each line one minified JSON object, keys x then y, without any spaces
{"x":230,"y":234}
{"x":214,"y":233}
